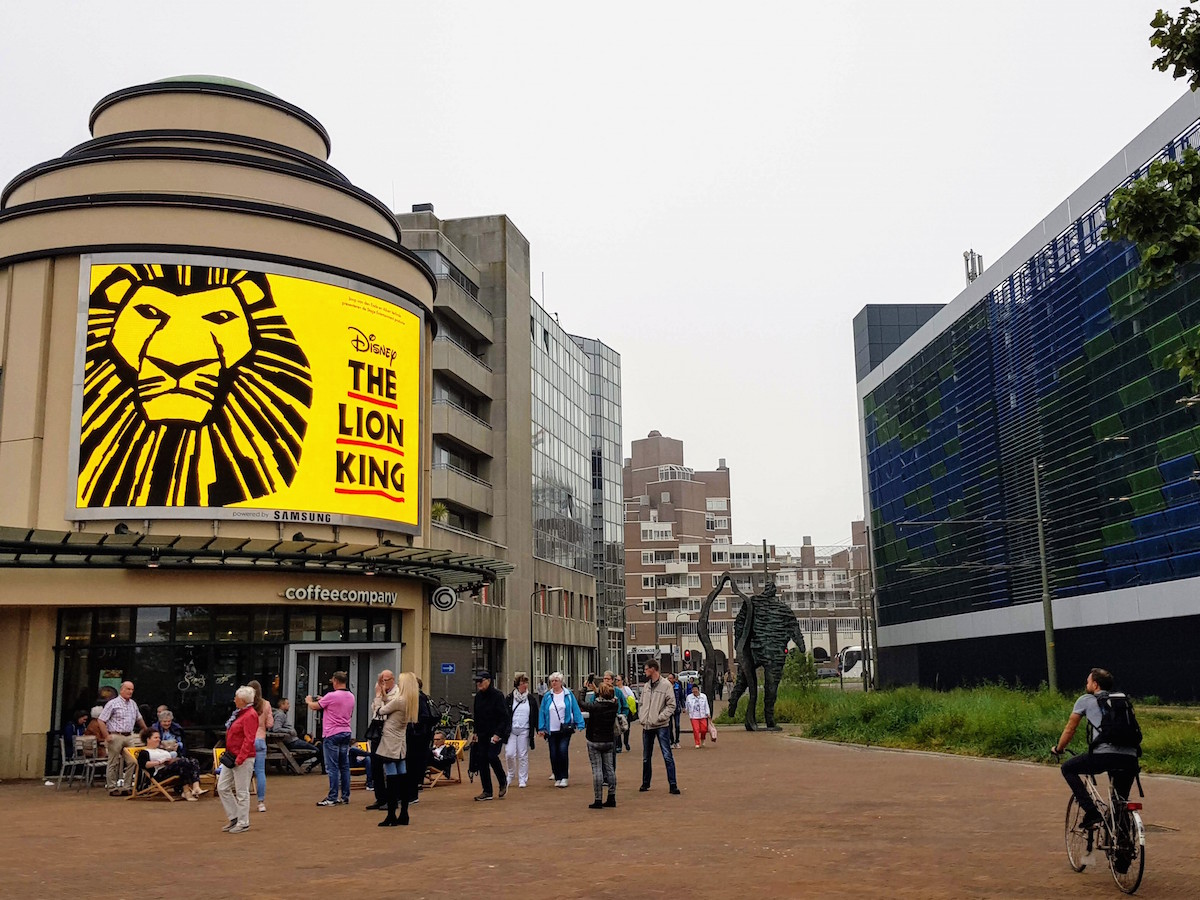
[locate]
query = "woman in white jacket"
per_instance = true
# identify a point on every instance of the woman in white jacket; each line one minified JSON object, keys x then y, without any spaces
{"x":699,"y":713}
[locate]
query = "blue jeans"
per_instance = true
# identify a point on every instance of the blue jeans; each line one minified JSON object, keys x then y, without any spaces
{"x":260,"y":768}
{"x":336,"y":748}
{"x":663,"y":736}
{"x":559,"y":745}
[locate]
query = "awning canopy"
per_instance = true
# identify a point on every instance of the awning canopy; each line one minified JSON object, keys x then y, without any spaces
{"x":41,"y":548}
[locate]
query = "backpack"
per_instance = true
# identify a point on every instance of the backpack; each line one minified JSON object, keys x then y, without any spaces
{"x":1118,"y":725}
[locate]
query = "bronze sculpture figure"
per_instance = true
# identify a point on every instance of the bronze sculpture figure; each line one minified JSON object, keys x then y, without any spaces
{"x":762,"y":629}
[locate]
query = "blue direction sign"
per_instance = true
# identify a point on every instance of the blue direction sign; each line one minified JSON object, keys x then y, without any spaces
{"x":447,"y":668}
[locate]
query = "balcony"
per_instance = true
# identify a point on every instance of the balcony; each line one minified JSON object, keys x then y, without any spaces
{"x":675,"y":568}
{"x":463,"y":365}
{"x":462,"y":489}
{"x":673,"y":591}
{"x":464,"y":309}
{"x":467,"y":429}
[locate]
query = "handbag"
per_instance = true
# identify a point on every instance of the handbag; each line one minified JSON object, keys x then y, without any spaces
{"x":621,"y":726}
{"x":564,"y":727}
{"x":228,"y":760}
{"x":712,"y":731}
{"x":375,"y":731}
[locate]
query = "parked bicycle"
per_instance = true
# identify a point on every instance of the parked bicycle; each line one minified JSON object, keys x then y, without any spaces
{"x":454,"y":720}
{"x":1120,"y":835}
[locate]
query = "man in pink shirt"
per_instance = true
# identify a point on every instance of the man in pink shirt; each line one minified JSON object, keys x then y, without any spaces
{"x":337,"y":709}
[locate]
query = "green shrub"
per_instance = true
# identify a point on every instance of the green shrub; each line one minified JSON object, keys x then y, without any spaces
{"x":990,"y":720}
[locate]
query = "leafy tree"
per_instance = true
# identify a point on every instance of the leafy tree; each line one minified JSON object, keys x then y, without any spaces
{"x":1179,"y":40}
{"x":799,"y":670}
{"x":438,"y":511}
{"x":1160,"y":212}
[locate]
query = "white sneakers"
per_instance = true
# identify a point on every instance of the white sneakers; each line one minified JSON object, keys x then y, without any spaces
{"x":262,"y":807}
{"x":561,"y":783}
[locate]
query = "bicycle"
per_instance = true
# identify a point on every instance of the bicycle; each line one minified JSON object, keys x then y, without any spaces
{"x":1120,"y":834}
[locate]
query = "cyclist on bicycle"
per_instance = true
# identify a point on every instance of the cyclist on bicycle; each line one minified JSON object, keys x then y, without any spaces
{"x":1121,"y":763}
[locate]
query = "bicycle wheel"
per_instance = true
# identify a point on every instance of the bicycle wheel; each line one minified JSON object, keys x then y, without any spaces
{"x":1127,"y":858}
{"x":1076,"y":837}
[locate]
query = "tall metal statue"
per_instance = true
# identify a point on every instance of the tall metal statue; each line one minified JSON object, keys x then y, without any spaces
{"x":762,"y":629}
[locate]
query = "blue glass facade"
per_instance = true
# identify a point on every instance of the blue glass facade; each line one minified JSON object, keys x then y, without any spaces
{"x":1062,"y":362}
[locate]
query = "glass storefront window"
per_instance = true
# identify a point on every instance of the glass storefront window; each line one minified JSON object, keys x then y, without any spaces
{"x":76,"y":627}
{"x":333,"y":628}
{"x":193,"y":623}
{"x":358,"y":629}
{"x":303,"y":627}
{"x":232,"y":625}
{"x":153,"y":625}
{"x":379,"y":626}
{"x":112,"y":626}
{"x":268,"y":625}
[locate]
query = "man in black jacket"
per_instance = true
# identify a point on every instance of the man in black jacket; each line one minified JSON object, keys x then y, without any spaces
{"x":491,"y":731}
{"x":419,"y":740}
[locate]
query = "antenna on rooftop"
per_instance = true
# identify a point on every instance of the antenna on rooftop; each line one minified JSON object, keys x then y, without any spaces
{"x":973,"y":263}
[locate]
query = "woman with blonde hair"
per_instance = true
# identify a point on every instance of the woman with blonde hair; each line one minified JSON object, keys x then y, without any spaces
{"x":393,"y":745}
{"x":266,"y":720}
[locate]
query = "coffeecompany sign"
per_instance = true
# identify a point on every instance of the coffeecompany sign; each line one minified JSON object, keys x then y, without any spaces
{"x":317,"y":592}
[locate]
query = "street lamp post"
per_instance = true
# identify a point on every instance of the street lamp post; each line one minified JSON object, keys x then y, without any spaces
{"x":532,"y":653}
{"x":625,"y":630}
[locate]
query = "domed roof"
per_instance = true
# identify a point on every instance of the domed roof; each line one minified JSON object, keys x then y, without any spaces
{"x":215,"y":79}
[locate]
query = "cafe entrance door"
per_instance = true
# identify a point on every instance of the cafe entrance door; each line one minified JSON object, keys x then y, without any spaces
{"x":310,"y":668}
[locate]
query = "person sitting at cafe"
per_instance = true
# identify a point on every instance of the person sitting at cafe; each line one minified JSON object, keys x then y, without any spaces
{"x":442,"y":755}
{"x":96,"y":730}
{"x":73,"y":729}
{"x":283,"y":727}
{"x":165,"y":763}
{"x":169,"y":731}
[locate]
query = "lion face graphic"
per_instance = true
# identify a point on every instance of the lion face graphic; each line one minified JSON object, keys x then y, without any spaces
{"x":196,"y":392}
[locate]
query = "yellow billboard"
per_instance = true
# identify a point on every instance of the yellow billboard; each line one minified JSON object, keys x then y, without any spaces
{"x":212,"y":391}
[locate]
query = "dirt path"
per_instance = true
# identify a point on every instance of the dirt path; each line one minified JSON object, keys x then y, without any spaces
{"x":761,"y":815}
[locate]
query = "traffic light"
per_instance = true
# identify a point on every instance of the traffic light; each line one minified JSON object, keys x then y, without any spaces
{"x":687,"y":655}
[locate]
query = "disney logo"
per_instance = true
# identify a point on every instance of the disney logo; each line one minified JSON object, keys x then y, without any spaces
{"x":366,"y":343}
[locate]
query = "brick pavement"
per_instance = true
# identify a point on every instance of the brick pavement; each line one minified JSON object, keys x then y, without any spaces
{"x":760,"y":813}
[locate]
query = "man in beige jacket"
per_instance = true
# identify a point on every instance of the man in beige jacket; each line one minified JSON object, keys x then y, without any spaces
{"x":655,"y":711}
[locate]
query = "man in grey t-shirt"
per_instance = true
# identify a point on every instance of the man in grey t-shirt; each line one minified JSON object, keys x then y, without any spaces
{"x":1121,"y":763}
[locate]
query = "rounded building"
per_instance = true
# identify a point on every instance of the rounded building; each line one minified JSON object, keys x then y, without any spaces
{"x":214,"y":407}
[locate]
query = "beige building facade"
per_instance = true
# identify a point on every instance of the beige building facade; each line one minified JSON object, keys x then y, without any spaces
{"x":215,"y":421}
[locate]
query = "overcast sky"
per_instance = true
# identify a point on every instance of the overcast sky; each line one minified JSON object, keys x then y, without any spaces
{"x":712,"y":189}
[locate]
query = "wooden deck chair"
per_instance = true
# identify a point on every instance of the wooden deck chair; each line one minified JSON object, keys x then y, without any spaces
{"x":359,"y":771}
{"x":208,"y":780}
{"x":145,"y":785}
{"x":434,"y":777}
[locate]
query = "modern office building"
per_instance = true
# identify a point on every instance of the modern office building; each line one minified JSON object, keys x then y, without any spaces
{"x":512,"y":458}
{"x":608,"y":528}
{"x":215,"y":438}
{"x":1043,"y":384}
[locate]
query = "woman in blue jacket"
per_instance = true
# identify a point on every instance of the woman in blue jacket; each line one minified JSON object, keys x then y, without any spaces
{"x":560,"y":718}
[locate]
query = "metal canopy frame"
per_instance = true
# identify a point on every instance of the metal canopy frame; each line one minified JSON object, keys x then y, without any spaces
{"x":46,"y":549}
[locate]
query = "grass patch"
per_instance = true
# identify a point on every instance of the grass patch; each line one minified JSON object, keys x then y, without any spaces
{"x":993,"y":720}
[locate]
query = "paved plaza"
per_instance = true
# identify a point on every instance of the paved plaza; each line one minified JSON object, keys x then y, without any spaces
{"x":761,"y":815}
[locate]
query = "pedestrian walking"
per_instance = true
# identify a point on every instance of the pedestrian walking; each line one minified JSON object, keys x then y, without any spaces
{"x":560,"y":717}
{"x":680,"y":695}
{"x":398,"y":711}
{"x":337,"y":707}
{"x":265,"y":720}
{"x":491,"y":732}
{"x":656,"y":711}
{"x":121,"y":725}
{"x":600,"y":735}
{"x":522,"y":730}
{"x":237,"y":761}
{"x":699,"y":714}
{"x":630,"y":705}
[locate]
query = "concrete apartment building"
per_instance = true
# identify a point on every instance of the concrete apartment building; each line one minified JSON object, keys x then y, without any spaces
{"x":829,"y":588}
{"x":677,"y":541}
{"x":511,"y":396}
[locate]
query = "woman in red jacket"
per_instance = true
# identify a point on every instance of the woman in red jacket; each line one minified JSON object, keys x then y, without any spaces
{"x":237,"y":762}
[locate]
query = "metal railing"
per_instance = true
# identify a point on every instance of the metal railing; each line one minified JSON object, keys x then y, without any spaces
{"x":451,"y":280}
{"x":469,"y":534}
{"x":463,"y":472}
{"x":466,"y":350}
{"x":466,"y":412}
